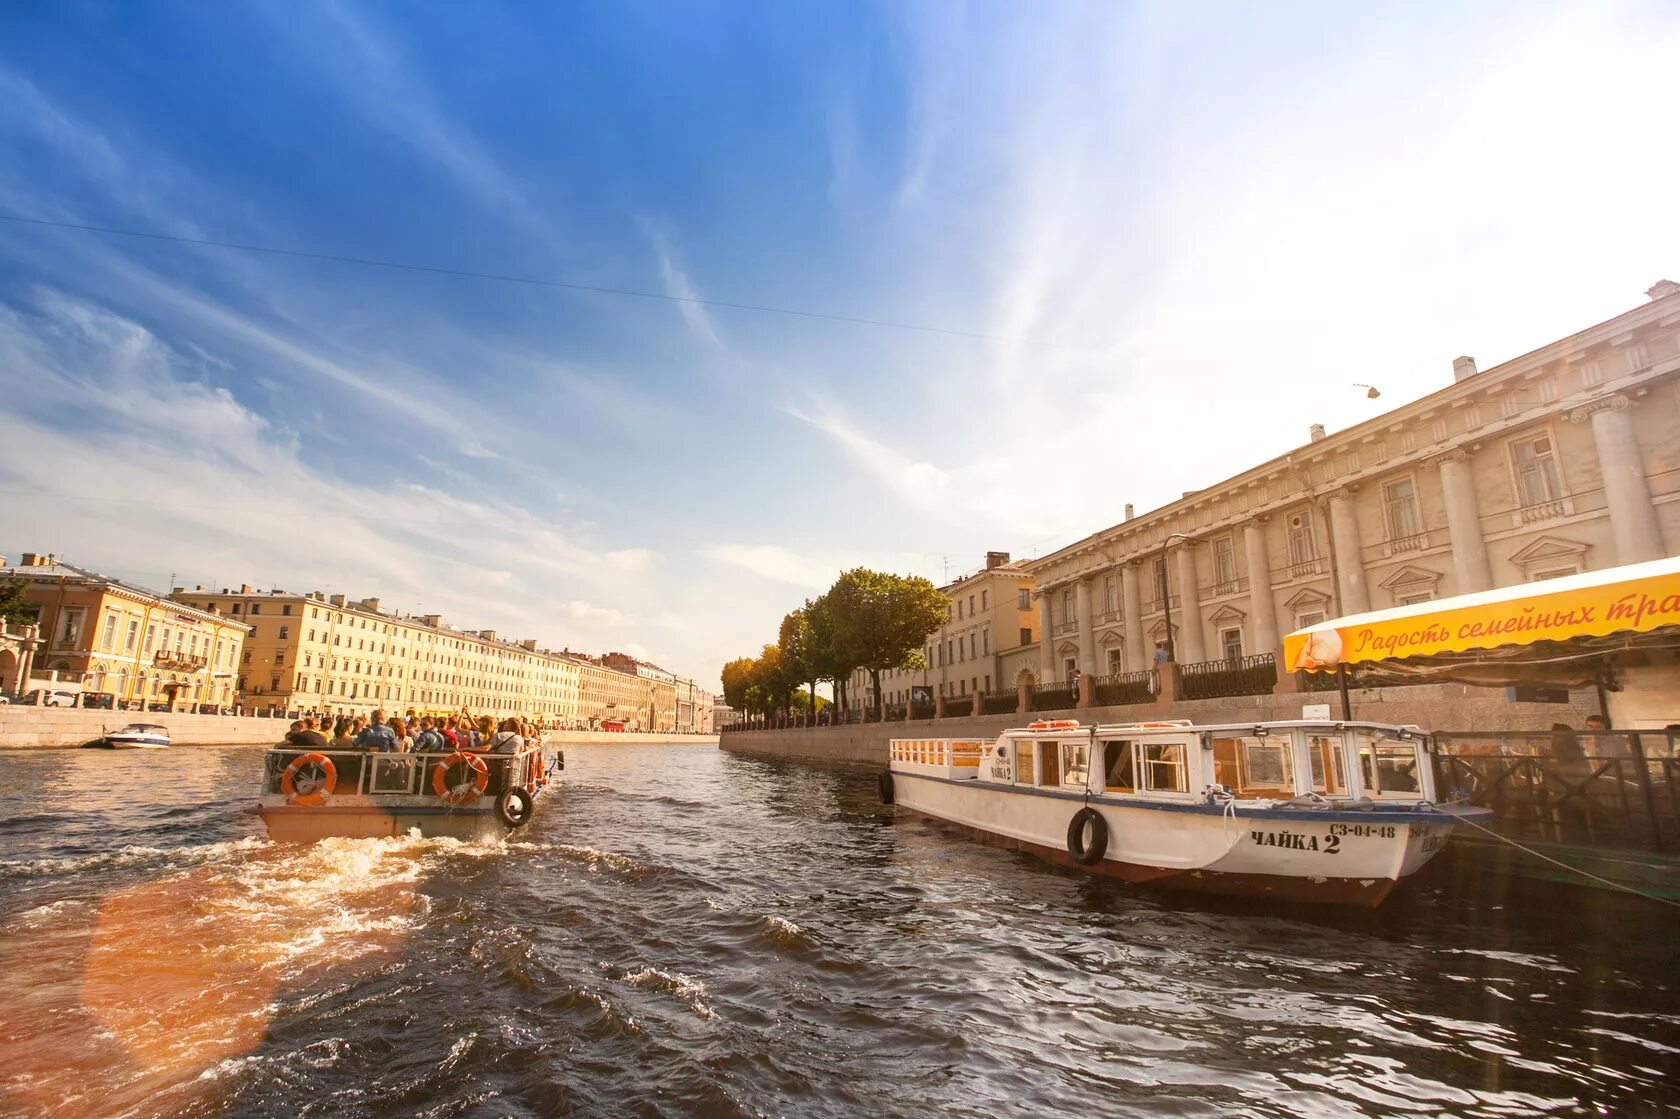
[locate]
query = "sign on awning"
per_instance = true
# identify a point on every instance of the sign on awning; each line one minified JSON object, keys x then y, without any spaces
{"x":1637,"y":598}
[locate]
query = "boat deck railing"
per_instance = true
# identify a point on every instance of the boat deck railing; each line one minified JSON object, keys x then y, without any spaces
{"x":366,"y":773}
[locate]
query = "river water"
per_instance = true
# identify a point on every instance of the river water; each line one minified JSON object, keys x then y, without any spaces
{"x":687,"y":932}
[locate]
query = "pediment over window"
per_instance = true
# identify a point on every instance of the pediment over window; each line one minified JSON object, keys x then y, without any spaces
{"x":1410,"y":575}
{"x":1110,"y":639}
{"x":1307,"y":598}
{"x":1226,"y":615}
{"x":1550,"y":549}
{"x":1068,"y":649}
{"x":1158,"y":631}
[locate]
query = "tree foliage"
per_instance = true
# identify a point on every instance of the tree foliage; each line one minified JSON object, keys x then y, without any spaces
{"x":14,"y":609}
{"x":871,"y":620}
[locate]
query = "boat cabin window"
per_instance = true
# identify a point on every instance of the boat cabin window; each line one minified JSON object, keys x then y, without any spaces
{"x":1164,"y":768}
{"x":1389,"y":768}
{"x":1251,"y":766}
{"x":1324,"y":754}
{"x":1117,"y":767}
{"x":1074,"y":763}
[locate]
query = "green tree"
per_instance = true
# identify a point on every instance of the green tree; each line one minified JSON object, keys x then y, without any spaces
{"x":13,"y":608}
{"x":793,"y":645}
{"x":881,"y":619}
{"x":737,"y":681}
{"x":827,"y":660}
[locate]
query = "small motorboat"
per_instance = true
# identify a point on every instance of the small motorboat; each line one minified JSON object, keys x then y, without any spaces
{"x":138,"y":736}
{"x":1302,"y":811}
{"x":311,"y":793}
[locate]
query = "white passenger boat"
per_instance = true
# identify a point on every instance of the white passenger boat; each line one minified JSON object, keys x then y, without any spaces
{"x":310,"y":794}
{"x":1308,"y":811}
{"x":138,"y":736}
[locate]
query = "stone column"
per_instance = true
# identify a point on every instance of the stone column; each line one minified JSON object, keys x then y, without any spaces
{"x":1087,"y":628}
{"x":1189,"y":646}
{"x":1046,"y":639}
{"x":1265,"y":635}
{"x":1464,"y":523}
{"x":1131,"y":601}
{"x":1350,"y":567}
{"x":1633,"y":519}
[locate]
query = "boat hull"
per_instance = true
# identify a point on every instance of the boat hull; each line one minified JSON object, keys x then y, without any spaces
{"x":291,"y":824}
{"x":135,"y":744}
{"x":1347,"y":858}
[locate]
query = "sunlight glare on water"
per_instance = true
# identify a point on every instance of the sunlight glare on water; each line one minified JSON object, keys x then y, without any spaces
{"x":686,"y":932}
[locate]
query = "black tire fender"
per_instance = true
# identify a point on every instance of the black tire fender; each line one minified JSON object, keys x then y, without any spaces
{"x":885,"y":784}
{"x":515,"y":807}
{"x":1083,"y":855}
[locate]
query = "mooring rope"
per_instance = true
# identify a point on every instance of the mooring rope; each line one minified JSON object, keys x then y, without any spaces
{"x":1573,"y":869}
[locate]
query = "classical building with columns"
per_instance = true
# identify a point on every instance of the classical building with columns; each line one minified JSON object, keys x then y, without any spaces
{"x":1561,"y":460}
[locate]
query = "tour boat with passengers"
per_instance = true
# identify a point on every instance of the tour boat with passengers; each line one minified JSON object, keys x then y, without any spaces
{"x":313,"y":793}
{"x":1300,"y":810}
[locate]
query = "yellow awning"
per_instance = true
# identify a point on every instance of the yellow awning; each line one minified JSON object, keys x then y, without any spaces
{"x":1637,"y":598}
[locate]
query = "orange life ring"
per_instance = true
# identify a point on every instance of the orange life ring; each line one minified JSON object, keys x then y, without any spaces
{"x":1054,"y":724}
{"x":459,"y":795}
{"x":317,"y":795}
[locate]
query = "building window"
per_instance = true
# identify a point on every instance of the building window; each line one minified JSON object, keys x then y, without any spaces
{"x":1158,"y":572}
{"x":1070,"y":612}
{"x":1400,"y":506}
{"x":986,"y":642}
{"x":151,"y":634}
{"x":1224,"y":566}
{"x":1026,"y":636}
{"x":236,"y":609}
{"x":109,"y":634}
{"x":256,"y":608}
{"x":1534,"y":469}
{"x":1114,"y":665}
{"x":1553,"y":573}
{"x":70,"y":627}
{"x":286,"y":609}
{"x":1302,"y":547}
{"x":984,"y":596}
{"x":959,"y":611}
{"x":1069,"y":667}
{"x":285,"y":632}
{"x":1111,"y":604}
{"x":1413,"y":598}
{"x":133,"y":636}
{"x":279,"y":659}
{"x":1230,"y":642}
{"x":1023,"y":599}
{"x":1309,"y":619}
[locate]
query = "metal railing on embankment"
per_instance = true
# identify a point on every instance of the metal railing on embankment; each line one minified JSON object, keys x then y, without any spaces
{"x":1235,"y":676}
{"x":1053,"y":697}
{"x":999,"y":703}
{"x":1616,"y":789}
{"x":1125,"y":688}
{"x":957,"y":706}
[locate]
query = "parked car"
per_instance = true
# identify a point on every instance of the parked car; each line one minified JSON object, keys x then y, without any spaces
{"x":105,"y":701}
{"x":50,"y":697}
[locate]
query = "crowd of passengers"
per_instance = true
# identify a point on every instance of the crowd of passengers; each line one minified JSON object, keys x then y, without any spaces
{"x":422,"y":734}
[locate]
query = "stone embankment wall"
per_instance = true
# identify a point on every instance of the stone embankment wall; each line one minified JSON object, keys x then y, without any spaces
{"x":23,"y":726}
{"x":625,"y":738}
{"x":1431,"y":706}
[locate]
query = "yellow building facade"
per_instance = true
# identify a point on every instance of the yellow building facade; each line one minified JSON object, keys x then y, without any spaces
{"x":143,"y":649}
{"x":320,"y":653}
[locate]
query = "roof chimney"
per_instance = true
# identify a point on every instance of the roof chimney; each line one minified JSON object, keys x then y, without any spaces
{"x":1662,"y":289}
{"x":1316,"y":431}
{"x":1129,"y":511}
{"x":996,"y":559}
{"x":487,"y":634}
{"x":1463,"y":368}
{"x":336,"y":600}
{"x":30,"y":559}
{"x":244,"y":588}
{"x":371,"y":604}
{"x":529,"y":644}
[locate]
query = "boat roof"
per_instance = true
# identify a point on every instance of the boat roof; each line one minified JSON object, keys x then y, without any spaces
{"x":146,"y":727}
{"x":1185,"y":726}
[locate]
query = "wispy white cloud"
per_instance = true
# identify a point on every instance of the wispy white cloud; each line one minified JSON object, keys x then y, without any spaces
{"x":773,"y":562}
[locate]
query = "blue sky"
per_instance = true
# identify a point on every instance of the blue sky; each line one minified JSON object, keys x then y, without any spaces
{"x":1192,"y":226}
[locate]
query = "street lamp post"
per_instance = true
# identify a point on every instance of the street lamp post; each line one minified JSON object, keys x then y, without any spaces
{"x":1166,"y":594}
